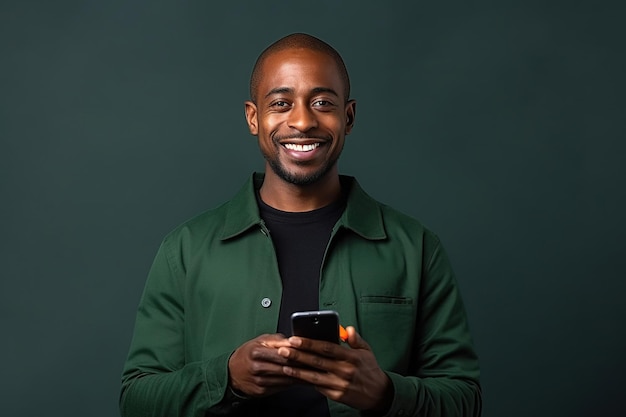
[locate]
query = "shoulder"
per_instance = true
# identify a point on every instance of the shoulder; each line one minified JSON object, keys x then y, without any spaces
{"x":408,"y":230}
{"x":202,"y":226}
{"x":227,"y":220}
{"x":408,"y":236}
{"x":393,"y":222}
{"x":398,"y":219}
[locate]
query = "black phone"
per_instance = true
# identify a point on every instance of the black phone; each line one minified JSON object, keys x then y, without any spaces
{"x":319,"y":325}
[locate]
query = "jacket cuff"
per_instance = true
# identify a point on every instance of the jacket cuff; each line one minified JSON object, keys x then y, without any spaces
{"x":223,"y":398}
{"x":404,"y":397}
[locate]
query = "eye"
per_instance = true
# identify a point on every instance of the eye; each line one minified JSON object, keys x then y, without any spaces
{"x":279,"y":104}
{"x":322,"y":103}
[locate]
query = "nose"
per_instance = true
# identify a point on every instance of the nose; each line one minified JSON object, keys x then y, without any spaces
{"x":302,"y":118}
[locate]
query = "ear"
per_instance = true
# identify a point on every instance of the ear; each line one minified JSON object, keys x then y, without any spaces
{"x":350,"y":115}
{"x":251,"y":118}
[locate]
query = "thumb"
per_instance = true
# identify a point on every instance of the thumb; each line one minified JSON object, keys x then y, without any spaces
{"x":355,"y":341}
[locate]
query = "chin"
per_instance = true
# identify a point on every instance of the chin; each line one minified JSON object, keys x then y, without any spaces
{"x":299,"y":178}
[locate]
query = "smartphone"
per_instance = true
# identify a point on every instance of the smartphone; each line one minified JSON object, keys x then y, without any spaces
{"x":320,"y":325}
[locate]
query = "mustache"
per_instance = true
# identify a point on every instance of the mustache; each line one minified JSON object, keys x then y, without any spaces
{"x":278,"y":138}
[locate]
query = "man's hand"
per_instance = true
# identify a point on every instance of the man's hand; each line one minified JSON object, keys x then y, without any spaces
{"x":256,"y":369}
{"x":351,"y":376}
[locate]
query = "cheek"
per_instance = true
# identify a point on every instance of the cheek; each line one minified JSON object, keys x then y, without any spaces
{"x":271,"y":125}
{"x":334,"y":124}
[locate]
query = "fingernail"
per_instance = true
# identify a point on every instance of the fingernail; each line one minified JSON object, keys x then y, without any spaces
{"x":295,"y":341}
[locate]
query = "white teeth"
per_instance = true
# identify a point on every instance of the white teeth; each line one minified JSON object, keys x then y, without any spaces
{"x":301,"y":148}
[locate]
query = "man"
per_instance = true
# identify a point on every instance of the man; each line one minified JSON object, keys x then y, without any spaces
{"x":209,"y":336}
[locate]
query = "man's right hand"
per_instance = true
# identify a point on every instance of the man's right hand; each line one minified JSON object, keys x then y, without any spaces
{"x":255,"y":368}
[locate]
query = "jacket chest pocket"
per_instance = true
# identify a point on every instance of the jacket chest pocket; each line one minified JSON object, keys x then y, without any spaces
{"x":387,"y":323}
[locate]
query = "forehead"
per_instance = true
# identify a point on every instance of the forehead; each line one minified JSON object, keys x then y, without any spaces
{"x":299,"y":68}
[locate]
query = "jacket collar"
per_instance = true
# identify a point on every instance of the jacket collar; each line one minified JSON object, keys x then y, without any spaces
{"x":362,"y":214}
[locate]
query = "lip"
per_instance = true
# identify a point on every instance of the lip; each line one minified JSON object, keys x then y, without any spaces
{"x":301,"y":140}
{"x":303,"y":155}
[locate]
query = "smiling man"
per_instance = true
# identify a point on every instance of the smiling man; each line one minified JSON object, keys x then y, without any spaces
{"x":300,"y":113}
{"x":212,"y":335}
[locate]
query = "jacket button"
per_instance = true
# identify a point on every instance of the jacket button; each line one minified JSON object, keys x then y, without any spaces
{"x":266,"y":302}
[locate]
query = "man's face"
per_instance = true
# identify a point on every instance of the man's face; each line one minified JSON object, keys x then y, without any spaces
{"x":300,"y":116}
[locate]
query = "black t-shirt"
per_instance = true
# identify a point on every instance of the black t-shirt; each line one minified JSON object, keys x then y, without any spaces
{"x":300,"y":241}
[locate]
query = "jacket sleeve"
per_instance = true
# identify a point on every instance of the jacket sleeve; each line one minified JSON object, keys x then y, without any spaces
{"x":445,"y":365}
{"x":156,"y":380}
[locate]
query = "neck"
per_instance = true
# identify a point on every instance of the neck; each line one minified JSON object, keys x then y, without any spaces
{"x":281,"y":195}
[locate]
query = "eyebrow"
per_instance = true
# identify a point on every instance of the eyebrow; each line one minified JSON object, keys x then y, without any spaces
{"x":318,"y":90}
{"x":279,"y":90}
{"x":285,"y":90}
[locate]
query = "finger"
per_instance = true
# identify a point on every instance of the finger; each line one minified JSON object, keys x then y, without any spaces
{"x":320,"y":347}
{"x":262,"y":386}
{"x":266,"y":356}
{"x":355,"y":341}
{"x":332,"y":393}
{"x":311,"y":376}
{"x":302,"y":358}
{"x":272,"y":339}
{"x":274,"y":381}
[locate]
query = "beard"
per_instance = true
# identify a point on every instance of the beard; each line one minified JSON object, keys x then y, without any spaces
{"x":299,"y":179}
{"x":294,"y":178}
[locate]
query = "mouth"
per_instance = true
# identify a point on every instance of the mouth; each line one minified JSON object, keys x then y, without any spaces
{"x":303,"y":149}
{"x":308,"y":147}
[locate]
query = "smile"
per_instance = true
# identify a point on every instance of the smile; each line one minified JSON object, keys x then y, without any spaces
{"x":301,"y":148}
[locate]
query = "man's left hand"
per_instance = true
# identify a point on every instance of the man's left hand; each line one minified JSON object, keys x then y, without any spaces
{"x":347,"y":375}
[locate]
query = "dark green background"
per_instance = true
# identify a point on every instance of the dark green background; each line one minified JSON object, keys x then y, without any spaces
{"x":500,"y":126}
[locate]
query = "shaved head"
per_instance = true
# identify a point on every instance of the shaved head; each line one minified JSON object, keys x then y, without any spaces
{"x":299,"y":41}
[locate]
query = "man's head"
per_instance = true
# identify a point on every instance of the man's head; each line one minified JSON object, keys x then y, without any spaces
{"x":300,"y":109}
{"x":297,"y":41}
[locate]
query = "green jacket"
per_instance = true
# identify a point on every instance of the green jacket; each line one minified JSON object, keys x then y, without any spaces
{"x":215,"y":284}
